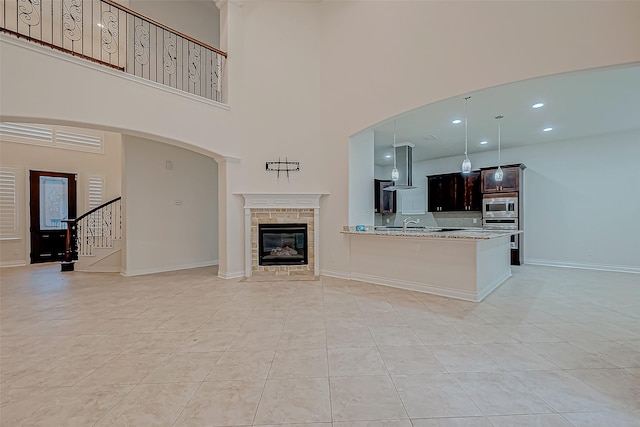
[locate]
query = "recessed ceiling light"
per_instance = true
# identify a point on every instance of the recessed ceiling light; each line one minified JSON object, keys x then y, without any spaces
{"x":456,"y":121}
{"x":387,"y":156}
{"x":547,"y":129}
{"x":537,"y":105}
{"x":484,"y":142}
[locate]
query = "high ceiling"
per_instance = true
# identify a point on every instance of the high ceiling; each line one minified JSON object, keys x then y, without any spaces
{"x":576,"y":105}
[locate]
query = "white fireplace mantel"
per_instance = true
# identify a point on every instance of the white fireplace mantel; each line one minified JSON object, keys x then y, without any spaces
{"x":281,"y":201}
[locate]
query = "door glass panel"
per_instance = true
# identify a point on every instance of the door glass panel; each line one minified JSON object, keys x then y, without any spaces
{"x":54,"y":202}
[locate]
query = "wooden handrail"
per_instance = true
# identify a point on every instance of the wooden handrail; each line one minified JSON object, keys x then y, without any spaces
{"x":61,"y":49}
{"x":154,"y":22}
{"x":97,"y":208}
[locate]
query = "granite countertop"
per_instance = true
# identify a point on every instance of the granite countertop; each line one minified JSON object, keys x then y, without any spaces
{"x":474,"y":233}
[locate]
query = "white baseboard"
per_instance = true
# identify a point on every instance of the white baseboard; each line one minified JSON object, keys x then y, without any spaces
{"x":172,"y":268}
{"x":585,"y":266}
{"x":492,"y":287}
{"x":336,"y":274}
{"x":419,"y":287}
{"x":18,"y":263}
{"x":232,"y":275}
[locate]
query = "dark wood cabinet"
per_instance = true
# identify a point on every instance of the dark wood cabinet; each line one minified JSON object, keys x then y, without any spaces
{"x":454,"y":192}
{"x":437,"y":186}
{"x":384,"y":201}
{"x":510,"y":180}
{"x":469,"y":195}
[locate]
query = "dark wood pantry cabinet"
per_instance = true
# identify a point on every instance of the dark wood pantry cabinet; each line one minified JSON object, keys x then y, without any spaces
{"x":384,"y":201}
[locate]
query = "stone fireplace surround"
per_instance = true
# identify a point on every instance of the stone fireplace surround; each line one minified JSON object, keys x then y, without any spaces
{"x":281,"y":208}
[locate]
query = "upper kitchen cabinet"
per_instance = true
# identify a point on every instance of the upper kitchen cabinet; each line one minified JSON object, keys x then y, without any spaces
{"x":470,"y":192}
{"x":385,"y":201}
{"x":454,"y":192}
{"x":441,"y":193}
{"x":510,"y":181}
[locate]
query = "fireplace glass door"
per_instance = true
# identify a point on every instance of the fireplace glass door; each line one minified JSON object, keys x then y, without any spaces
{"x":282,"y":244}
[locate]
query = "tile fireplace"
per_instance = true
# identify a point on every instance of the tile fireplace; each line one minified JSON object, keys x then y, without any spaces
{"x":281,"y":234}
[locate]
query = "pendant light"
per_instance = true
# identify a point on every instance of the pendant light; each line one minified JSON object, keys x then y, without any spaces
{"x":466,"y":163}
{"x":499,"y":175}
{"x":395,"y":175}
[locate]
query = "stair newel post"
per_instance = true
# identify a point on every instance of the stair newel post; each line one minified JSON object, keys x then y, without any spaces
{"x":68,"y":261}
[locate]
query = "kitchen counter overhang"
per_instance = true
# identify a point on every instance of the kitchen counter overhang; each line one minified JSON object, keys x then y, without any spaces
{"x":466,"y":264}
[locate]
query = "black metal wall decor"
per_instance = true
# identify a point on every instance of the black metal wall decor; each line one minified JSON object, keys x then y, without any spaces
{"x":283,"y":167}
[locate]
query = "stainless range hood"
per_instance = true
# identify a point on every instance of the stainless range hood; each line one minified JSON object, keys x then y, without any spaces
{"x":402,"y":151}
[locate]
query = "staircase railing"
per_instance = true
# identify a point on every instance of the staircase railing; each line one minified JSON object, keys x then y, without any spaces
{"x":98,"y":228}
{"x":108,"y":33}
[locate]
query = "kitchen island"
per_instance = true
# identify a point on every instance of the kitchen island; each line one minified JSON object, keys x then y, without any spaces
{"x":463,"y":263}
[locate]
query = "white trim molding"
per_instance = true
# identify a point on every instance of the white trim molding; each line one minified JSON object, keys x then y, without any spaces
{"x":231,"y":275}
{"x":282,"y":200}
{"x":335,"y":274}
{"x":17,"y":263}
{"x":583,"y":265}
{"x":166,"y":269}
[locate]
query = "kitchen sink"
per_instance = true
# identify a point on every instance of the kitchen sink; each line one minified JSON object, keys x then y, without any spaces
{"x":398,"y":227}
{"x":418,"y":228}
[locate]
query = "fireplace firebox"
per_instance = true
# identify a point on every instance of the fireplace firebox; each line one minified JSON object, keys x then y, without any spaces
{"x":282,"y":244}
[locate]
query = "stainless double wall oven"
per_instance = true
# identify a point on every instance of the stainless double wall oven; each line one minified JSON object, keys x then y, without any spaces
{"x":500,"y":212}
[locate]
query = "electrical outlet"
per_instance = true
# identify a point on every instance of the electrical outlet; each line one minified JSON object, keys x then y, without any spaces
{"x":475,"y":220}
{"x":417,"y":220}
{"x":387,"y":220}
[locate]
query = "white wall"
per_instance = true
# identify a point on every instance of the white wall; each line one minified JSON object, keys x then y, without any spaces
{"x":24,"y":157}
{"x":281,"y":94}
{"x":580,"y":208}
{"x":171,"y":215}
{"x":199,"y":19}
{"x":305,"y":76}
{"x":361,"y":176}
{"x":580,"y":205}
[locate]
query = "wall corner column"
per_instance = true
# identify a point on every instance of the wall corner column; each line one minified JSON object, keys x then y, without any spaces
{"x":230,"y":222}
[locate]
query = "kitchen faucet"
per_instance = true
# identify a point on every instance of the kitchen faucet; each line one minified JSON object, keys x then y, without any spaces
{"x":408,"y":221}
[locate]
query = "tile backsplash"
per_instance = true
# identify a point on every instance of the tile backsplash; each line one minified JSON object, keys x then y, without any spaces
{"x":440,"y":219}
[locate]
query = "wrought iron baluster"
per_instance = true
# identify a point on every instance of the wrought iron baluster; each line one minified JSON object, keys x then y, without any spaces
{"x":29,"y":14}
{"x":72,"y":21}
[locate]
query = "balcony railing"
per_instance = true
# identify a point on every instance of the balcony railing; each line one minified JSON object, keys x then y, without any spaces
{"x":108,"y":33}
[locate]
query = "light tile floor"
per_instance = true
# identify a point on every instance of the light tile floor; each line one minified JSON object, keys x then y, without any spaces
{"x":550,"y":347}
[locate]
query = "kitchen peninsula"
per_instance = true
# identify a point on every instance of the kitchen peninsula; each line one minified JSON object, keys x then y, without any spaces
{"x":463,"y":263}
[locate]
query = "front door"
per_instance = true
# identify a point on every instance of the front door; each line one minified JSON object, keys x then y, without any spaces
{"x":53,"y":200}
